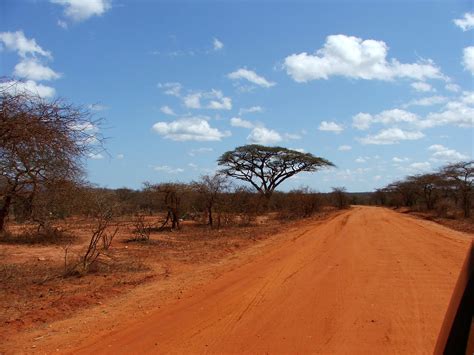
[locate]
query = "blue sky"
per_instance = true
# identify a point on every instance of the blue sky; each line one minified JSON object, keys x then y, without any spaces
{"x":382,"y":89}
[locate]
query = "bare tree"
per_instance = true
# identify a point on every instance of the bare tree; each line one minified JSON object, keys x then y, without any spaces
{"x":340,"y":197}
{"x":265,"y":168}
{"x":172,"y":194}
{"x":210,"y":187}
{"x":40,"y":142}
{"x":425,"y":186}
{"x":462,"y":176}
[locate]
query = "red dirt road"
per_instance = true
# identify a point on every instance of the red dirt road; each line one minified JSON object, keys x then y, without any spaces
{"x":369,"y":280}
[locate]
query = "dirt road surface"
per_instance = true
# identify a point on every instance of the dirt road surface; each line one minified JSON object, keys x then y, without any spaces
{"x":368,"y":280}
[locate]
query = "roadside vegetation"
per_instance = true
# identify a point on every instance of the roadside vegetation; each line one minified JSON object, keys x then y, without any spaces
{"x":66,"y":244}
{"x":445,"y":195}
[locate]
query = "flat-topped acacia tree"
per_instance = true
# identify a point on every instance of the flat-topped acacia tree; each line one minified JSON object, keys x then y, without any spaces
{"x":267,"y":167}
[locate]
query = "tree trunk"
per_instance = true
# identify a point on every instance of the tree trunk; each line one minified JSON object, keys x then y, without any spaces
{"x":466,"y":205}
{"x":4,"y":211}
{"x":209,"y":214}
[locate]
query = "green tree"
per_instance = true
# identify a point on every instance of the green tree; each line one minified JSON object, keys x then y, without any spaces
{"x":265,"y":168}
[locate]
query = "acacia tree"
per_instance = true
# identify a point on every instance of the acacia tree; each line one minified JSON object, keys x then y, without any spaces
{"x":40,"y":142}
{"x":265,"y":168}
{"x":426,"y":185}
{"x":210,"y":187}
{"x":340,"y":197}
{"x":172,"y":194}
{"x":461,"y":175}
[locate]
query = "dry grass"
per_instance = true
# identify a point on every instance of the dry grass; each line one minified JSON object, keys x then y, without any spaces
{"x":35,"y":292}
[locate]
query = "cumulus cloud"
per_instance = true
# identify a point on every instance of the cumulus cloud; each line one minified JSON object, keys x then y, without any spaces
{"x":80,"y":10}
{"x":167,"y":110}
{"x":215,"y":100}
{"x":252,"y":109}
{"x":344,"y":148}
{"x":31,"y":68}
{"x":265,"y":136}
{"x":442,"y":153}
{"x":427,"y":101}
{"x":466,"y":22}
{"x":217,"y":45}
{"x":468,"y":59}
{"x":400,"y":160}
{"x":452,"y":87}
{"x":421,"y":86}
{"x":189,"y":129}
{"x":239,"y":122}
{"x":173,"y":89}
{"x":28,"y":87}
{"x":355,"y":58}
{"x":251,"y":76}
{"x":363,"y":121}
{"x":330,"y":127}
{"x":391,"y":136}
{"x":360,"y":160}
{"x":167,"y":169}
{"x":17,"y":42}
{"x":459,"y":112}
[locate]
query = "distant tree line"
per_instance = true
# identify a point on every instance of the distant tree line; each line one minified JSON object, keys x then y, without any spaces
{"x":448,"y":191}
{"x":43,"y":144}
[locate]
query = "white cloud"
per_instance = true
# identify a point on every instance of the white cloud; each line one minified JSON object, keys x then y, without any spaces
{"x":363,"y":121}
{"x":427,"y":101}
{"x":453,"y":87}
{"x":97,"y":156}
{"x":459,"y":112}
{"x":344,"y":148}
{"x":360,"y":160}
{"x":391,"y":136}
{"x":265,"y":136}
{"x":16,"y":41}
{"x":251,"y":76}
{"x":173,"y":89}
{"x":421,"y":86}
{"x":62,"y":24}
{"x":330,"y":127}
{"x":80,"y":10}
{"x":167,"y":110}
{"x":400,"y":160}
{"x":252,"y":109}
{"x":466,"y":22}
{"x":167,"y":169}
{"x":215,"y":100}
{"x":468,"y":59}
{"x":189,"y":129}
{"x":29,"y":87}
{"x":239,"y":122}
{"x":192,"y":100}
{"x":442,"y":153}
{"x":217,"y":45}
{"x":31,"y":68}
{"x":355,"y":58}
{"x":120,"y":156}
{"x":97,"y":107}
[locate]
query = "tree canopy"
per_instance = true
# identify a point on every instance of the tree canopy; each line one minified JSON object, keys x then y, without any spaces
{"x":40,"y":142}
{"x":267,"y":167}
